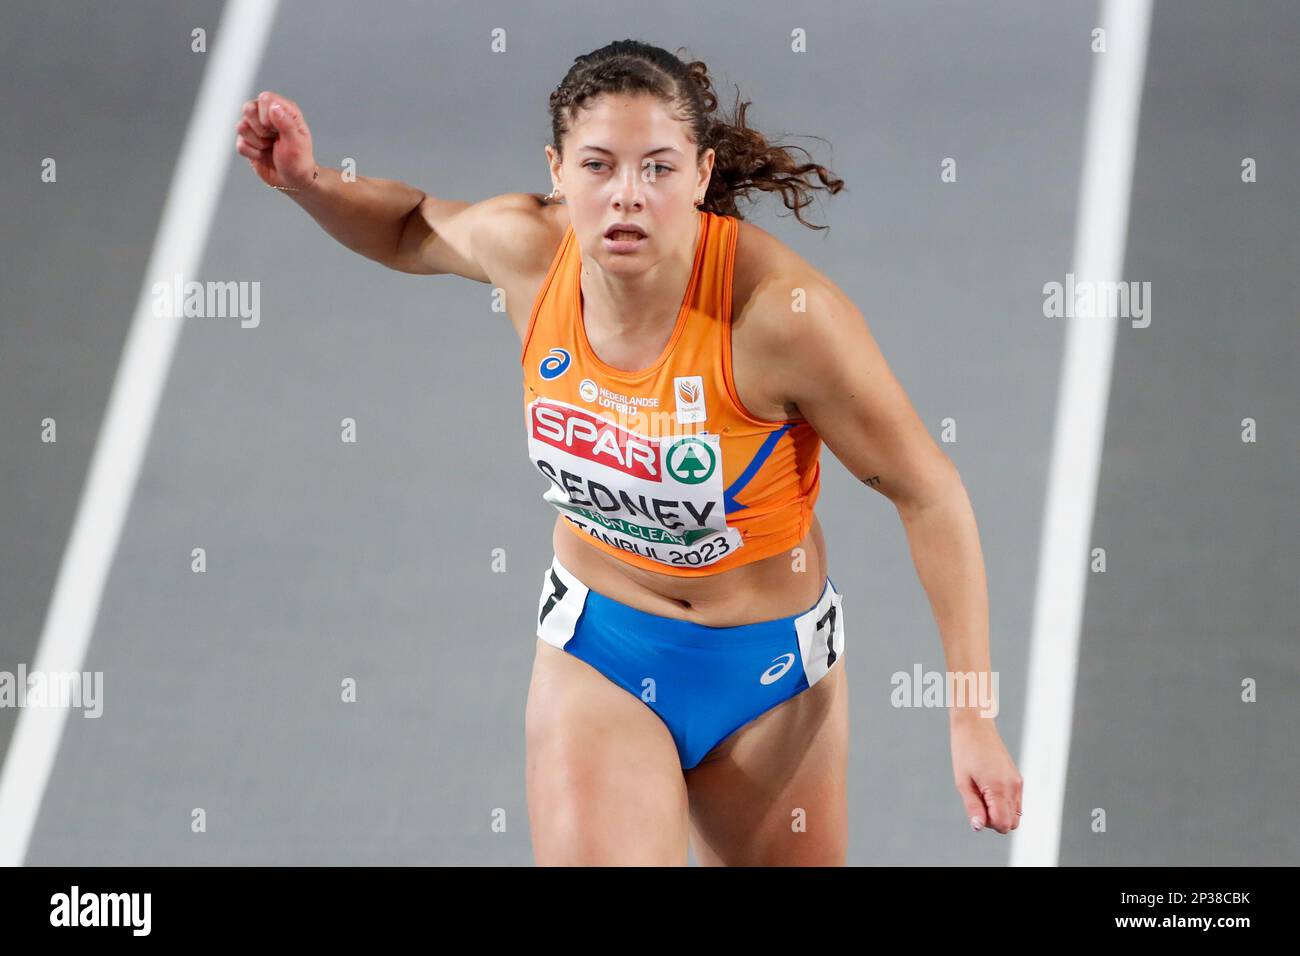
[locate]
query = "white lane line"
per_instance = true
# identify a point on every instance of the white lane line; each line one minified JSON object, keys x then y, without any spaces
{"x":205,"y":156}
{"x":1110,"y":145}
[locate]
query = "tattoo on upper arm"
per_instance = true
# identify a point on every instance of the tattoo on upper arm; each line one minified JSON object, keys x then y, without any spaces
{"x":872,"y":481}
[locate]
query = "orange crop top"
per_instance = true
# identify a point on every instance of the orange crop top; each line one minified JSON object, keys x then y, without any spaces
{"x":662,"y":467}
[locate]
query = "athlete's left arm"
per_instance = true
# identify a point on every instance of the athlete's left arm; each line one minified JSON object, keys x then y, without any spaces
{"x":825,"y":361}
{"x":820,"y":357}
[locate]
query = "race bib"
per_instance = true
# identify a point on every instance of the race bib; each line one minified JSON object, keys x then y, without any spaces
{"x":657,"y":497}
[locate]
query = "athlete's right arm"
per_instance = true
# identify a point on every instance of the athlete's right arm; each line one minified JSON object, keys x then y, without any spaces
{"x":385,"y":220}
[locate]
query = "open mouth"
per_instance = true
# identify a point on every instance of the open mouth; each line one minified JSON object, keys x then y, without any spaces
{"x":624,"y":232}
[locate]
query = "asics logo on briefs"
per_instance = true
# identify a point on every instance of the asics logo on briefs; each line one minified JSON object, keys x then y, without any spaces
{"x":555,"y":364}
{"x":779,"y":666}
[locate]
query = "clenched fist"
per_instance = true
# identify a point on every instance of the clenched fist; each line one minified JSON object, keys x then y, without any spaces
{"x":274,"y":138}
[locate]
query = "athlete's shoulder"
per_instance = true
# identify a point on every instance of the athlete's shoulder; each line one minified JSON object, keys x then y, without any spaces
{"x":772,"y":287}
{"x":520,"y":234}
{"x":527,"y":207}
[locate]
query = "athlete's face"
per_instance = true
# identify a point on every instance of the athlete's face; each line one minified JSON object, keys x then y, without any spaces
{"x":627,"y":159}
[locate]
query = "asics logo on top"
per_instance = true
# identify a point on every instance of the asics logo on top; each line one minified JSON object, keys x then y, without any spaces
{"x":779,"y":666}
{"x":555,"y":364}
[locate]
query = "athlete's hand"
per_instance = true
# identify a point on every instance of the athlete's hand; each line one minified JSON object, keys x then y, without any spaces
{"x":275,"y":140}
{"x":986,"y":776}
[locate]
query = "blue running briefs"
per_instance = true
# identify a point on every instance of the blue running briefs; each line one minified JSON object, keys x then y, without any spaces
{"x":704,"y":682}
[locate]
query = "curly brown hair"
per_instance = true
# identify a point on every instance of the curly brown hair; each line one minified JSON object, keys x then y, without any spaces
{"x":744,"y":160}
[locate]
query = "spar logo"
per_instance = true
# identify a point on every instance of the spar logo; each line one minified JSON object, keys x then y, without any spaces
{"x":691,"y":461}
{"x":555,"y":364}
{"x":594,"y":439}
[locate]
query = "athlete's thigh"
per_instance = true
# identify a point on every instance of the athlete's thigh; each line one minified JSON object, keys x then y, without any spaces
{"x":604,"y":779}
{"x":773,"y":793}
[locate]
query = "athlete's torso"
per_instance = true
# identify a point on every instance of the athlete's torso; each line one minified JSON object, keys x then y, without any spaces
{"x":699,"y":428}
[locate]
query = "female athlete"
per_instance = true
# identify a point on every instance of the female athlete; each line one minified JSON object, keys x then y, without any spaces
{"x":681,"y":370}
